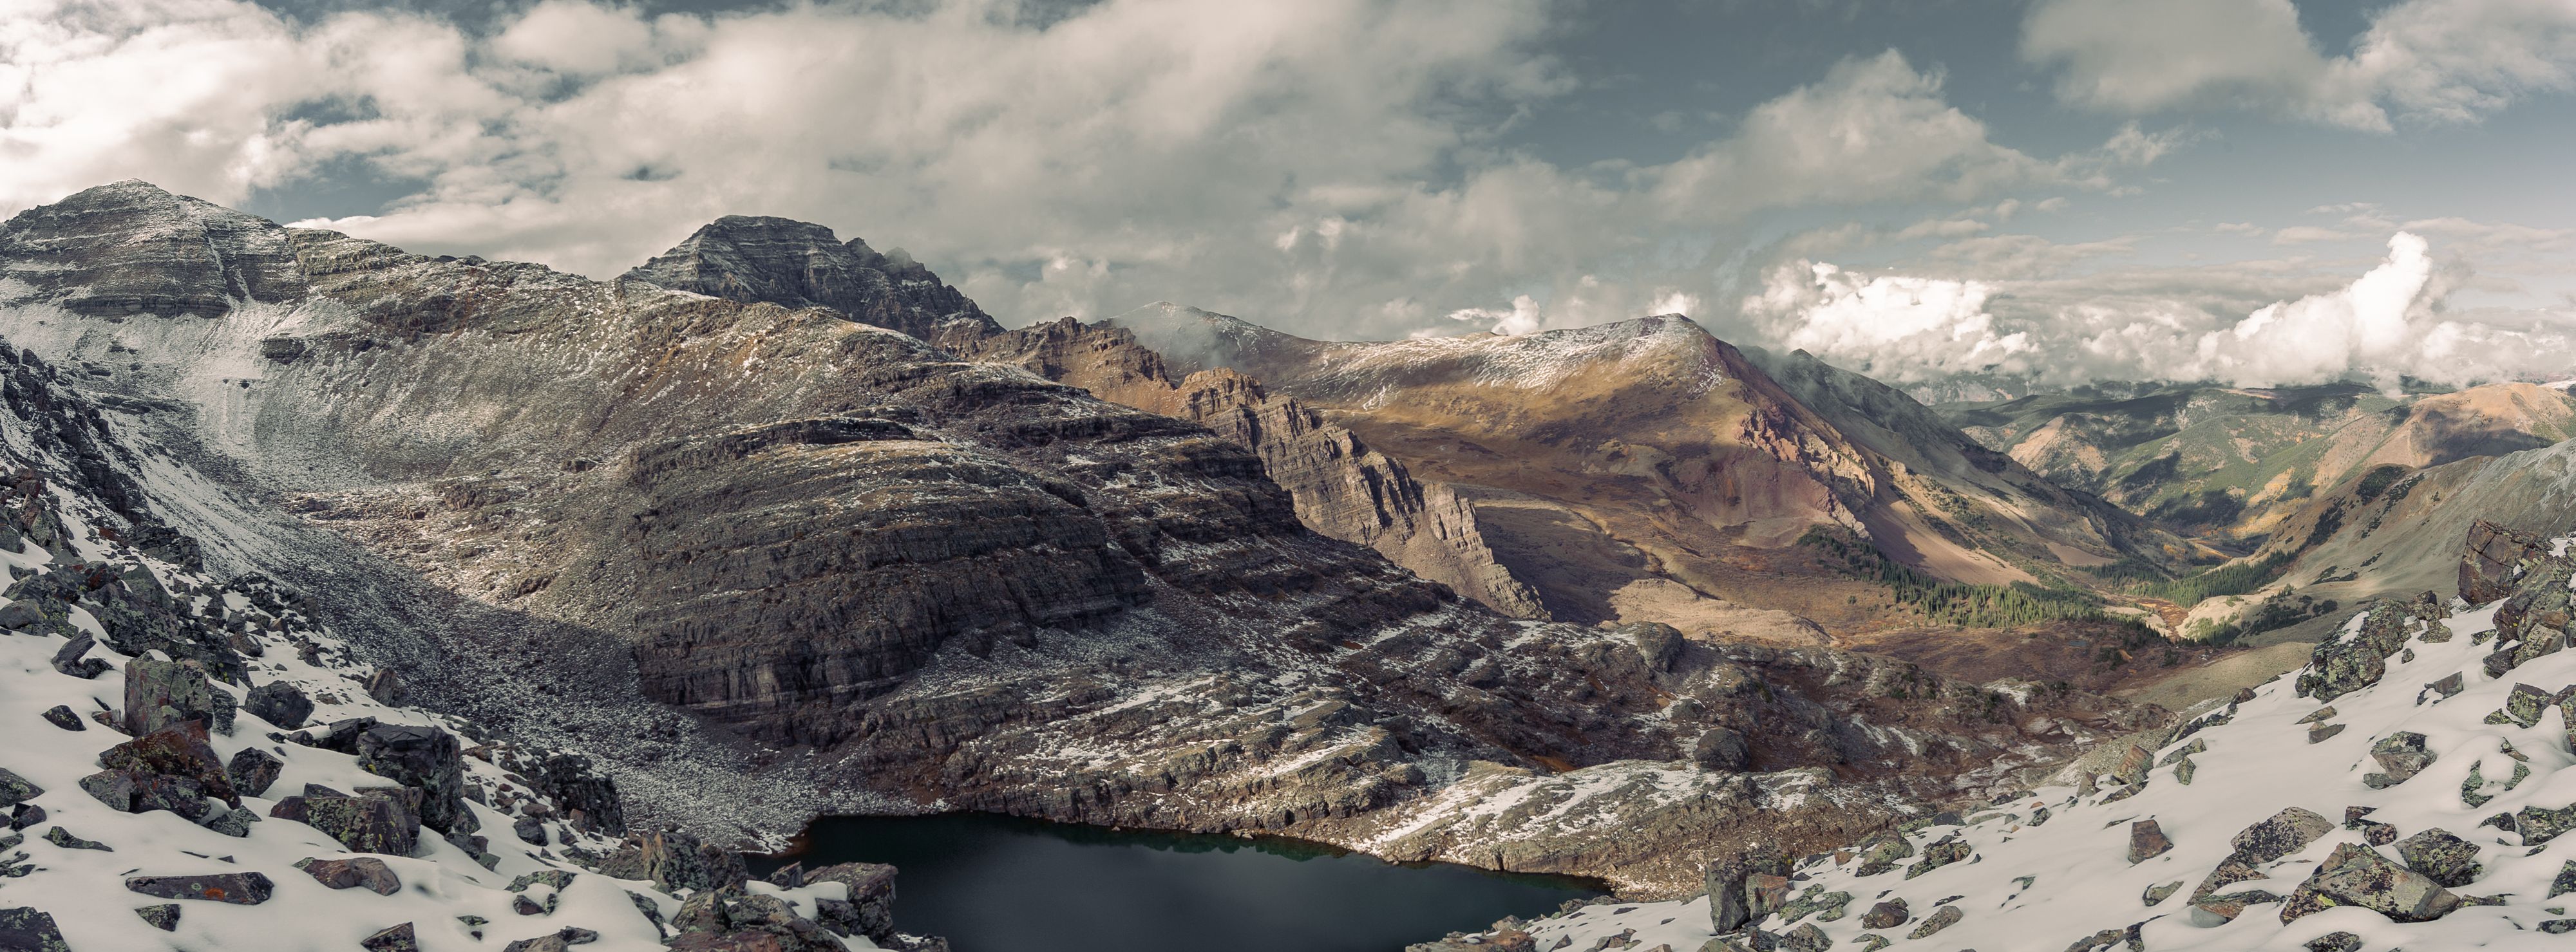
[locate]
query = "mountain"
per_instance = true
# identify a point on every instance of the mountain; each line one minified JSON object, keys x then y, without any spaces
{"x":1645,"y":470}
{"x":796,"y":264}
{"x":2407,"y":789}
{"x":2232,"y":463}
{"x":766,"y":559}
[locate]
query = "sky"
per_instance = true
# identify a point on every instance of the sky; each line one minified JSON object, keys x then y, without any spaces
{"x":2252,"y":192}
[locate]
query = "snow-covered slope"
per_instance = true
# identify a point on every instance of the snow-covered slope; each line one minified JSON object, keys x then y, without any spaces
{"x":2407,"y":789}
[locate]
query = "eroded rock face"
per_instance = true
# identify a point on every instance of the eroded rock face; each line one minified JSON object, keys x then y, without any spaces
{"x":2490,"y":558}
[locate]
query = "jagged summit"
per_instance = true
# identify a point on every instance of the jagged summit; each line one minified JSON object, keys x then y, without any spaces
{"x":801,"y":264}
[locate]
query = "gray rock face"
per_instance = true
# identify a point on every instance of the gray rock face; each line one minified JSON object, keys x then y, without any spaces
{"x":797,"y":264}
{"x":869,"y":911}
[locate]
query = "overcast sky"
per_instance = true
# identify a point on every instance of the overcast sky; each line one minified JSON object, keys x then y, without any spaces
{"x":2252,"y":191}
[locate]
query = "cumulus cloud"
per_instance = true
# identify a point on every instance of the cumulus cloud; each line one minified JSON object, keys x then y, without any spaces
{"x":1122,"y":152}
{"x":2392,"y":320}
{"x":2445,"y":61}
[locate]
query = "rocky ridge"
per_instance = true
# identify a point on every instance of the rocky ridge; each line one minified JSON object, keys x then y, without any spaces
{"x":2403,"y":790}
{"x":935,"y":583}
{"x":200,"y":751}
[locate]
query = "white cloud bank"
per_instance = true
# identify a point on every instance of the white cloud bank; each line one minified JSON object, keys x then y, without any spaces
{"x":1326,"y":165}
{"x":2436,"y":61}
{"x":2390,"y":321}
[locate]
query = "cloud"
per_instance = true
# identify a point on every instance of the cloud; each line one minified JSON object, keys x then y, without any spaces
{"x":2429,"y":61}
{"x":2187,"y":325}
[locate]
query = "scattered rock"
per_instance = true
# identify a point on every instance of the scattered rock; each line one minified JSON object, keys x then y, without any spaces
{"x":70,"y":660}
{"x":1938,"y":855}
{"x":392,"y":939}
{"x":253,"y":771}
{"x":2401,"y":756}
{"x":2321,"y":732}
{"x":164,"y":917}
{"x":180,"y":751}
{"x":560,"y":940}
{"x":2441,"y":857}
{"x":2146,"y":841}
{"x":279,"y":703}
{"x":2158,"y":894}
{"x":675,"y":861}
{"x":24,"y":929}
{"x":870,"y":909}
{"x":241,"y":889}
{"x":373,"y":823}
{"x":64,"y":838}
{"x":1886,"y":915}
{"x":61,"y":716}
{"x":15,"y":789}
{"x":2357,"y":875}
{"x":529,"y":830}
{"x":1943,"y":918}
{"x":365,"y":872}
{"x":2335,"y":942}
{"x":386,"y":687}
{"x":2279,"y":835}
{"x":424,"y":758}
{"x":160,"y":694}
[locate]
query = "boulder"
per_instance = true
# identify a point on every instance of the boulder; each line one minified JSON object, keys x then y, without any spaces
{"x":372,"y":823}
{"x":2489,"y":558}
{"x":279,"y":703}
{"x":871,"y":899}
{"x":2334,"y":942}
{"x":529,"y":830}
{"x":15,"y":789}
{"x":386,"y":687}
{"x":587,"y":798}
{"x":163,"y":916}
{"x":161,"y":694}
{"x":62,"y":716}
{"x":177,"y":750}
{"x":423,"y":758}
{"x":398,"y":938}
{"x":24,"y":929}
{"x":2357,"y":875}
{"x":2146,"y":841}
{"x":340,"y":735}
{"x":253,"y":770}
{"x":2441,"y":857}
{"x":72,"y":660}
{"x":135,"y":791}
{"x":241,"y":889}
{"x":2351,"y":661}
{"x":1722,"y":748}
{"x":365,"y":872}
{"x":2282,"y":834}
{"x":2401,"y":756}
{"x":1658,"y":643}
{"x":674,"y":861}
{"x":1940,"y":919}
{"x":1886,"y":915}
{"x":557,"y":941}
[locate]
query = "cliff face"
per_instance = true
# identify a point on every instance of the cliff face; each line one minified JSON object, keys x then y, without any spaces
{"x":946,"y":581}
{"x":1340,"y":486}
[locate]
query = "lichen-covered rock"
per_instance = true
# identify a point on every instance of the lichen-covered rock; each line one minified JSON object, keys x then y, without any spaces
{"x":1938,"y":855}
{"x":2279,"y":835}
{"x":357,"y":872}
{"x":61,"y":716}
{"x":253,"y":770}
{"x":2441,"y":857}
{"x":2401,"y":756}
{"x":560,"y":940}
{"x":1882,"y":852}
{"x":2357,"y":875}
{"x":871,"y":899}
{"x":163,"y":916}
{"x":425,"y":758}
{"x":161,"y":694}
{"x":1886,"y":915}
{"x":279,"y":703}
{"x":396,"y":938}
{"x":15,"y":789}
{"x":241,"y":889}
{"x":1940,"y":919}
{"x":2147,"y":841}
{"x":177,"y":750}
{"x":370,"y":823}
{"x":675,"y":861}
{"x":26,"y":929}
{"x":2350,"y":661}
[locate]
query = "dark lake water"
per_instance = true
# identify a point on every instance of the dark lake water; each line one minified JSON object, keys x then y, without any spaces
{"x":1002,"y":884}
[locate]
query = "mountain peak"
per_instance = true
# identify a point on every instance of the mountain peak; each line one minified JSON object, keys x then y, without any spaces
{"x":133,"y":247}
{"x":801,"y":264}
